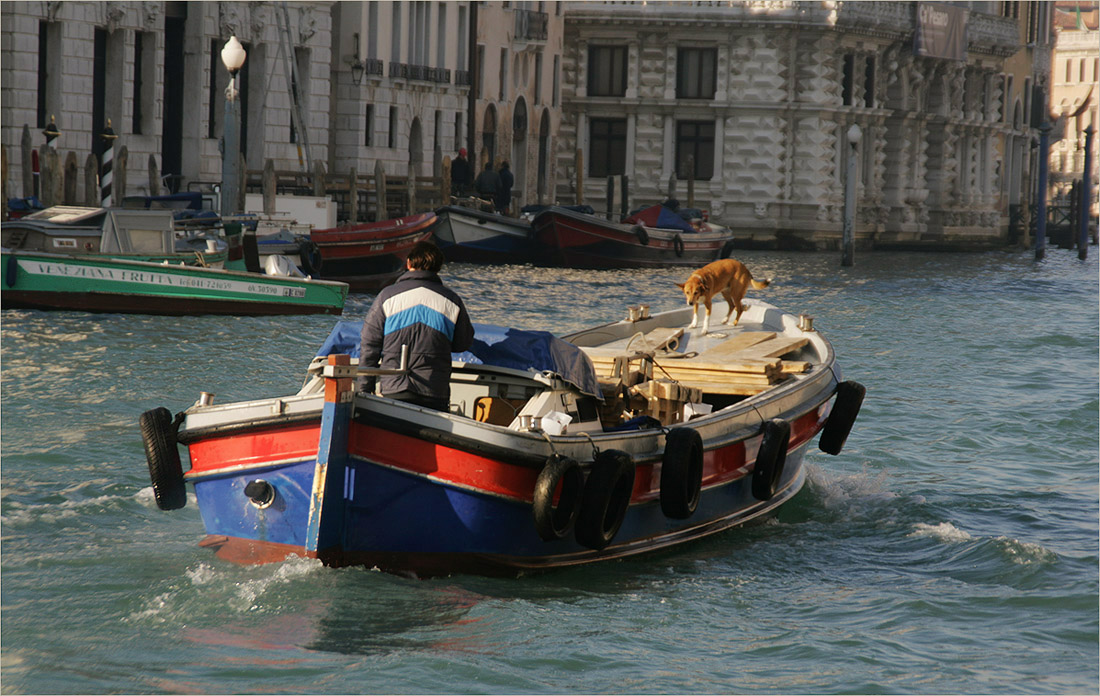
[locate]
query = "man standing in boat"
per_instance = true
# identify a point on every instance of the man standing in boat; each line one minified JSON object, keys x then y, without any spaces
{"x":420,"y":312}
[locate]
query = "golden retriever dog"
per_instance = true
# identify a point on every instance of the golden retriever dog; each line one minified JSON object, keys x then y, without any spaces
{"x":729,"y":277}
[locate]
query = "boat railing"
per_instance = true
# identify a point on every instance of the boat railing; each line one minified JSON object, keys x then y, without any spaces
{"x":320,"y":367}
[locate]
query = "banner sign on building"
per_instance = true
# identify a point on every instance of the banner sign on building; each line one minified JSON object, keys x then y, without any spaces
{"x":941,"y":31}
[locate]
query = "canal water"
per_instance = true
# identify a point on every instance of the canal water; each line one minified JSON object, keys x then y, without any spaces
{"x":951,"y":548}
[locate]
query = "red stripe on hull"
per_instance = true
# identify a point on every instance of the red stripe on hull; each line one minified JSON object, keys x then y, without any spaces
{"x":296,"y":441}
{"x":439,"y":462}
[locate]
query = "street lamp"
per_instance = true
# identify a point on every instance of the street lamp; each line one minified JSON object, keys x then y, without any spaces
{"x":357,"y":69}
{"x":848,"y":242}
{"x":233,"y":55}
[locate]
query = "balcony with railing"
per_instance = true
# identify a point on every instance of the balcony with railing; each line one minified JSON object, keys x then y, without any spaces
{"x":531,"y":25}
{"x":372,"y":66}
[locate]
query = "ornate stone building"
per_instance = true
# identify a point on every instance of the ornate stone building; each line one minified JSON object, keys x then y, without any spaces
{"x":761,"y":94}
{"x":375,"y":82}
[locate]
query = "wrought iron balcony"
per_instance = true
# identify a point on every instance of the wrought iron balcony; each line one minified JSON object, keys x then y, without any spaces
{"x":372,"y":66}
{"x":462,"y":77}
{"x":399,"y":70}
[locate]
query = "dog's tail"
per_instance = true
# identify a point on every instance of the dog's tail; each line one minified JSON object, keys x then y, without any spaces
{"x":761,"y":284}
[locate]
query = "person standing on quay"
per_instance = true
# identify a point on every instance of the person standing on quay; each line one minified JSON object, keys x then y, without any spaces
{"x":418,"y":311}
{"x":504,"y":192}
{"x":460,"y":174}
{"x":488,"y":183}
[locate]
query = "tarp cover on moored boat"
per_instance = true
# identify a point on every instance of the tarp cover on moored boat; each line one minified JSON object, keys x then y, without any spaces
{"x":660,"y":216}
{"x":518,"y":349}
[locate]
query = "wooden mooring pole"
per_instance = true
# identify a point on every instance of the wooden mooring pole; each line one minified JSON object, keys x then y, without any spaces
{"x":1084,"y":202}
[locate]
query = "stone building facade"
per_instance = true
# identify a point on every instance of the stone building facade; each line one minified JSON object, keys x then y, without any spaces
{"x":772,"y":87}
{"x":1075,"y":93}
{"x":154,"y":70}
{"x":375,"y":82}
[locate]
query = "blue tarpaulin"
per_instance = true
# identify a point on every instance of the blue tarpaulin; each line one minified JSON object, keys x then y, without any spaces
{"x":518,"y":349}
{"x":660,"y":216}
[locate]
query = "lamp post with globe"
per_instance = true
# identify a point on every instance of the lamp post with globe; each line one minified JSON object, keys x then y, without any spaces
{"x":233,"y":55}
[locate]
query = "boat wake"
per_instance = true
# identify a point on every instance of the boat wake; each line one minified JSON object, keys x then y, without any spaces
{"x":214,"y":588}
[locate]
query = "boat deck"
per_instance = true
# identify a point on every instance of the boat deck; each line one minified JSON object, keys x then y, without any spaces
{"x":734,"y":361}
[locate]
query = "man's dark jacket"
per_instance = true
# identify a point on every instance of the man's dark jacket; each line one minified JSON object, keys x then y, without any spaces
{"x":427,"y":316}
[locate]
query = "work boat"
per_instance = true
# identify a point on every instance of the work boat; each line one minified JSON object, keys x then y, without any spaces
{"x":637,"y":435}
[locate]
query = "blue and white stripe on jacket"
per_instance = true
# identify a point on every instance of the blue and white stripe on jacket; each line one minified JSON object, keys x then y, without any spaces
{"x":421,"y":306}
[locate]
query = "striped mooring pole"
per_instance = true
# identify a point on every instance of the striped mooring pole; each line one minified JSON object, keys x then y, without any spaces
{"x":105,"y":176}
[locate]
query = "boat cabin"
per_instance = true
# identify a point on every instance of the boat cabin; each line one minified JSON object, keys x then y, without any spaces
{"x":77,"y":230}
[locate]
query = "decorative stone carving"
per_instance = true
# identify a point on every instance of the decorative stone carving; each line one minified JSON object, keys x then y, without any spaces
{"x":150,"y":15}
{"x":113,"y":16}
{"x":259,"y":18}
{"x":307,"y":23}
{"x":230,"y":20}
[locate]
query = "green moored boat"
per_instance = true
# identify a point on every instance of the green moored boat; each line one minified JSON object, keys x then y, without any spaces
{"x":131,"y":262}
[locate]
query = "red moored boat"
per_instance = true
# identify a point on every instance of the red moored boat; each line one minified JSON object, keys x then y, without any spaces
{"x":564,"y":237}
{"x":370,"y":255}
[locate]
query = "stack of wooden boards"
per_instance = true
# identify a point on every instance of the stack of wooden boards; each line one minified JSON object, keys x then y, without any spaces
{"x":746,"y":363}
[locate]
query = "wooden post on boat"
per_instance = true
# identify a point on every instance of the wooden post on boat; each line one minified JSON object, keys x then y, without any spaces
{"x":579,"y":164}
{"x":326,"y":509}
{"x":380,"y":188}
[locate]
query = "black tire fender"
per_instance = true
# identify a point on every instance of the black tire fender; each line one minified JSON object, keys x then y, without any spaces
{"x":158,"y":432}
{"x":849,"y":399}
{"x":681,"y":473}
{"x":768,"y":469}
{"x":642,"y":233}
{"x":555,"y":521}
{"x":678,"y":244}
{"x":605,"y":500}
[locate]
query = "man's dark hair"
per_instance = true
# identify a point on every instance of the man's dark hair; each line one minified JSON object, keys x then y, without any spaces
{"x":426,"y":256}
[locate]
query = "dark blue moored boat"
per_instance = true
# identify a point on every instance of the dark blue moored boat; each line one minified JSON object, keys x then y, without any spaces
{"x":556,"y":452}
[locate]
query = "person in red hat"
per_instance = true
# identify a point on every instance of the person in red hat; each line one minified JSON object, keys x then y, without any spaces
{"x":461,"y":176}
